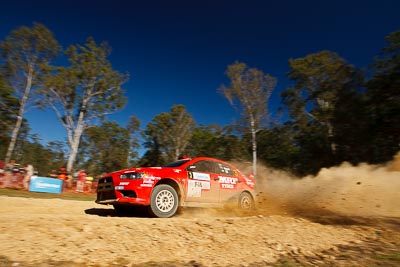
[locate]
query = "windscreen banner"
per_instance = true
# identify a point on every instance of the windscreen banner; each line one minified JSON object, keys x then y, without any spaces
{"x":45,"y":185}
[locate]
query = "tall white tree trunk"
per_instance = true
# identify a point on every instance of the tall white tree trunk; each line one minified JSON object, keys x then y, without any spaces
{"x":21,"y":110}
{"x":14,"y":136}
{"x":330,"y":136}
{"x":74,"y":140}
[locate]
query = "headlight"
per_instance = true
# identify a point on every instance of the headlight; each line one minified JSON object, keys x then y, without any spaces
{"x":132,"y":176}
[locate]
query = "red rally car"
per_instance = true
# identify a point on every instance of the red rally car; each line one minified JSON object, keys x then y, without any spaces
{"x":190,"y":182}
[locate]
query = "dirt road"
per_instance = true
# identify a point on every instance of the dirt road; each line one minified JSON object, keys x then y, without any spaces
{"x":54,"y":232}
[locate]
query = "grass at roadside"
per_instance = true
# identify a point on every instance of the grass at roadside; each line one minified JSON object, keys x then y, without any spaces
{"x":392,"y":257}
{"x":63,"y":195}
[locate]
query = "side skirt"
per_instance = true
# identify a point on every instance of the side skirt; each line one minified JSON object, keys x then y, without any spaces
{"x":202,"y":205}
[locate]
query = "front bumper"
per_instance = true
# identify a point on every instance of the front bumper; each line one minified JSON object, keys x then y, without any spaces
{"x":131,"y":193}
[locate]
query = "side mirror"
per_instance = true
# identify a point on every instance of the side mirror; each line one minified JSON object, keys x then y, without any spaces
{"x":191,"y":167}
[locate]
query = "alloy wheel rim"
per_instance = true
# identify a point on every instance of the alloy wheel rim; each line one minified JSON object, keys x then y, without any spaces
{"x":165,"y":201}
{"x":245,"y":203}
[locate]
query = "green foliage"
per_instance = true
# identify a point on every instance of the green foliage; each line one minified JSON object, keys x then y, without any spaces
{"x":29,"y":149}
{"x":319,"y":78}
{"x":25,"y":53}
{"x":350,"y":120}
{"x":323,"y":84}
{"x":83,"y":92}
{"x":335,"y":115}
{"x":107,"y":148}
{"x":167,"y":135}
{"x":8,"y":110}
{"x":203,"y":141}
{"x":133,"y":128}
{"x":214,"y":141}
{"x":58,"y":154}
{"x":383,"y":102}
{"x":27,"y":50}
{"x":277,"y":147}
{"x":88,"y":85}
{"x":334,"y":118}
{"x":35,"y":153}
{"x":153,"y":155}
{"x":249,"y":92}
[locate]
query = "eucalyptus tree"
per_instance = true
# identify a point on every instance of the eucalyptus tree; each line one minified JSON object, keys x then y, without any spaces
{"x":8,"y":109}
{"x":57,"y":148}
{"x":320,"y":79}
{"x":216,"y":141}
{"x":25,"y":52}
{"x":383,"y":104}
{"x":278,"y":149}
{"x":107,"y":147}
{"x":203,"y":140}
{"x":31,"y":150}
{"x":84,"y":92}
{"x":133,"y":128}
{"x":249,"y":91}
{"x":170,"y":132}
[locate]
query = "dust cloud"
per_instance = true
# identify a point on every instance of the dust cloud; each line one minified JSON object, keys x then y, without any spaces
{"x":362,"y":190}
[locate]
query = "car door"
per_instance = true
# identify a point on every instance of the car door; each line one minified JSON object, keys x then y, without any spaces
{"x":229,"y":181}
{"x":202,"y":182}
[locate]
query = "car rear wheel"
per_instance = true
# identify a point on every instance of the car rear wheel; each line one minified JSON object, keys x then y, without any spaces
{"x":164,"y":201}
{"x":246,"y":201}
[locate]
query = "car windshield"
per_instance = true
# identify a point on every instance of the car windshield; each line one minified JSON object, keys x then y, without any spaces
{"x":177,"y":163}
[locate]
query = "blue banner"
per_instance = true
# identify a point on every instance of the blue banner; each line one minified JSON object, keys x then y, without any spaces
{"x":46,"y":185}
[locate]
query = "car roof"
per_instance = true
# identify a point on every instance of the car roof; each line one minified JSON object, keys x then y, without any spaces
{"x":212,"y":159}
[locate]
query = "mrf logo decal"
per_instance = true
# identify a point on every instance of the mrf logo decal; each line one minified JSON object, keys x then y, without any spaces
{"x":227,"y":182}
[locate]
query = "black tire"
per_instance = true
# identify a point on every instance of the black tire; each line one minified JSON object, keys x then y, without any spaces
{"x":164,"y":201}
{"x":246,"y":202}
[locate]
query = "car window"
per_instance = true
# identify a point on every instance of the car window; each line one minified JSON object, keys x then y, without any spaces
{"x":202,"y":166}
{"x":177,"y":163}
{"x":226,"y":169}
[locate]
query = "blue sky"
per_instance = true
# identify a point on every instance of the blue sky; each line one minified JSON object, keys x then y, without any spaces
{"x":177,"y":51}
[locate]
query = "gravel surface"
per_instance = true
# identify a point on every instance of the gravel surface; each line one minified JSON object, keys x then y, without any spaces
{"x":55,"y":232}
{"x":344,"y":216}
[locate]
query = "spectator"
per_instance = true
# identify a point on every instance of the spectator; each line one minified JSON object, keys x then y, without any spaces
{"x":8,"y":176}
{"x":2,"y":166}
{"x":81,"y":181}
{"x":28,"y":175}
{"x":69,"y":181}
{"x":53,"y":174}
{"x":10,"y":165}
{"x":62,"y":174}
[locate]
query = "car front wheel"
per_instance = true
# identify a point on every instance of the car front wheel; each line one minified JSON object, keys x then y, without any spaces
{"x":164,"y":201}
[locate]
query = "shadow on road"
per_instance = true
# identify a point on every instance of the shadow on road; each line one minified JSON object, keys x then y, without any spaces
{"x":134,"y":212}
